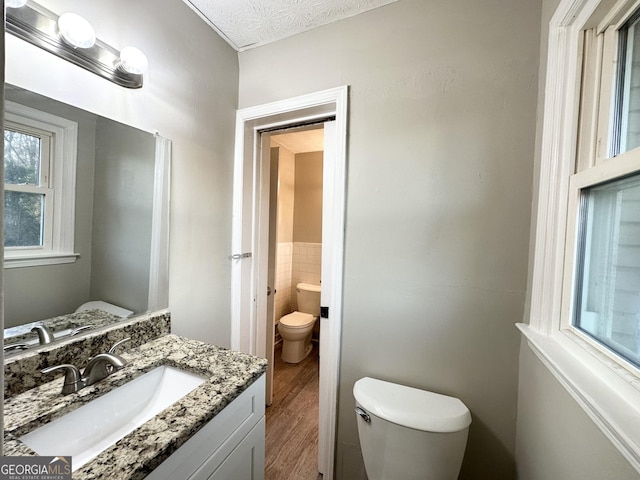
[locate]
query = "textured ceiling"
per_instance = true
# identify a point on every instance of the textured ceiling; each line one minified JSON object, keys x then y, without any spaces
{"x":250,"y":23}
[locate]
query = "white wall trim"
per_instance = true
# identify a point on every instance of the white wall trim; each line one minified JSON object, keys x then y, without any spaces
{"x":558,"y":144}
{"x":249,"y":122}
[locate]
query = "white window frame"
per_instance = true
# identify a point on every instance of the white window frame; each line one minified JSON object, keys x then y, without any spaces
{"x":606,"y":388}
{"x":42,"y":187}
{"x":59,"y":247}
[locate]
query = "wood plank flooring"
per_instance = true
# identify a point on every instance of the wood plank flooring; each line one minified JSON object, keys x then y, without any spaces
{"x":292,"y":420}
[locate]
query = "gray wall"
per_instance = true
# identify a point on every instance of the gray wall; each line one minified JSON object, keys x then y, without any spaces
{"x":440,"y":153}
{"x":122,"y":215}
{"x":35,"y":293}
{"x":189,"y":96}
{"x":555,"y":438}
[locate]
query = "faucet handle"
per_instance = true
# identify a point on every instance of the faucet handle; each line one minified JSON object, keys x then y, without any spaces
{"x":101,"y":366}
{"x":16,"y":346}
{"x":76,"y":331}
{"x":112,"y":350}
{"x":72,"y":377}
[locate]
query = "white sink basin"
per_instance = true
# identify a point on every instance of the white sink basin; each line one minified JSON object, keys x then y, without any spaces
{"x":92,"y":428}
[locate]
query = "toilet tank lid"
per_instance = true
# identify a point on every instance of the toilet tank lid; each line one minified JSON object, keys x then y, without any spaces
{"x":311,"y":287}
{"x":412,"y":407}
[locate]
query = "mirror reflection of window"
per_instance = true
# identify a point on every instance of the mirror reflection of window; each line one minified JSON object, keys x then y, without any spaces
{"x":26,"y":167}
{"x":40,"y":153}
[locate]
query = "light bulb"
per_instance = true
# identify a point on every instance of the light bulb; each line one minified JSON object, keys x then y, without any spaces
{"x":15,"y":3}
{"x":132,"y":60}
{"x":76,"y":31}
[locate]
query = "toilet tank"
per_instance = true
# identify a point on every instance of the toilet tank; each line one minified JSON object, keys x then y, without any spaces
{"x":409,"y":433}
{"x":308,"y":296}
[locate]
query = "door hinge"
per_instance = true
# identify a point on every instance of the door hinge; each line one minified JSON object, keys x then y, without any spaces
{"x":324,"y":312}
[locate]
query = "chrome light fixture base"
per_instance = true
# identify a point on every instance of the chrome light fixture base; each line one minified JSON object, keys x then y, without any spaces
{"x":39,"y":26}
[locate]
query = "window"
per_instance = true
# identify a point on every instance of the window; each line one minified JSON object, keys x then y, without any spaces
{"x":602,"y":285}
{"x":607,"y":291}
{"x":39,"y":200}
{"x":627,"y":136}
{"x":584,"y":312}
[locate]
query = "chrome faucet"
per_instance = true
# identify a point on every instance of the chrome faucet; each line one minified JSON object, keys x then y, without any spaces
{"x":44,"y":334}
{"x":98,"y":368}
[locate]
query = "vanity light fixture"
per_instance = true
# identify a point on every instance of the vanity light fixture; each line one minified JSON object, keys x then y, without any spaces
{"x":71,"y":37}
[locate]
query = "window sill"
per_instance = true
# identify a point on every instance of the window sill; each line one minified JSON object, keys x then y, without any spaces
{"x":18,"y":261}
{"x":607,"y":392}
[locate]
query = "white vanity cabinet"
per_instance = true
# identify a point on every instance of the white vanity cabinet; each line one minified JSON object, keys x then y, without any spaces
{"x":229,"y":447}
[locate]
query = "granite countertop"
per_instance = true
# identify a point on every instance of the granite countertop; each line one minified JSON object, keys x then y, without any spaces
{"x":95,"y":317}
{"x":22,"y":369}
{"x":137,"y":454}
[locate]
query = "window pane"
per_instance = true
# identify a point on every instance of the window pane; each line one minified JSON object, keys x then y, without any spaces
{"x":608,"y":281}
{"x":23,"y":220}
{"x":21,"y":158}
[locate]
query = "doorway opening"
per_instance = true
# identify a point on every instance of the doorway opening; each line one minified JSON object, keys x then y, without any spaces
{"x":250,"y":267}
{"x":293,"y":310}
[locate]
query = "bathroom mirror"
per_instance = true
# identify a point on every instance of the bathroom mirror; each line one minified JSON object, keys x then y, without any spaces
{"x":120,"y":224}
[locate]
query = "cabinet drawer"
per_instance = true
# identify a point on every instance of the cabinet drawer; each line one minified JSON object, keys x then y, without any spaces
{"x":217,"y":439}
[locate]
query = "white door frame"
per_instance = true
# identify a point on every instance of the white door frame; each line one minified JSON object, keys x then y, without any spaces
{"x":249,"y":123}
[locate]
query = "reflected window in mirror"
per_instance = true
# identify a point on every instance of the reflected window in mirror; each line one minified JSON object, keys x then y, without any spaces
{"x":39,"y":160}
{"x":28,"y":197}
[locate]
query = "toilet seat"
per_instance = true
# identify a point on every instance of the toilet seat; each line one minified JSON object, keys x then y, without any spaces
{"x":297,"y":320}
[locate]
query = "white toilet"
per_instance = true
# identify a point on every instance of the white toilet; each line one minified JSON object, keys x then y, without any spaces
{"x":296,"y":328}
{"x":410,"y":434}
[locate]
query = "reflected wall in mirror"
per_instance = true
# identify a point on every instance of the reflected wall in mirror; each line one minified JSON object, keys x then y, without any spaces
{"x":120,"y":190}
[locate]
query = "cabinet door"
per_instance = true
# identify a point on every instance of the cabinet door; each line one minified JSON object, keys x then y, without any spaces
{"x":246,"y":462}
{"x":203,"y":453}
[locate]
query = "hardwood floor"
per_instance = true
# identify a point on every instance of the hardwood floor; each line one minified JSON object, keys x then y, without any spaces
{"x":292,"y":420}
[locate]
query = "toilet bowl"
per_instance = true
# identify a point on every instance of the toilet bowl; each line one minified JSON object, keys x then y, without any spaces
{"x":296,"y":328}
{"x":409,"y":433}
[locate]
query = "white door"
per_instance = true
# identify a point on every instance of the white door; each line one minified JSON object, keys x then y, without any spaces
{"x":271,"y":268}
{"x":266,"y":257}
